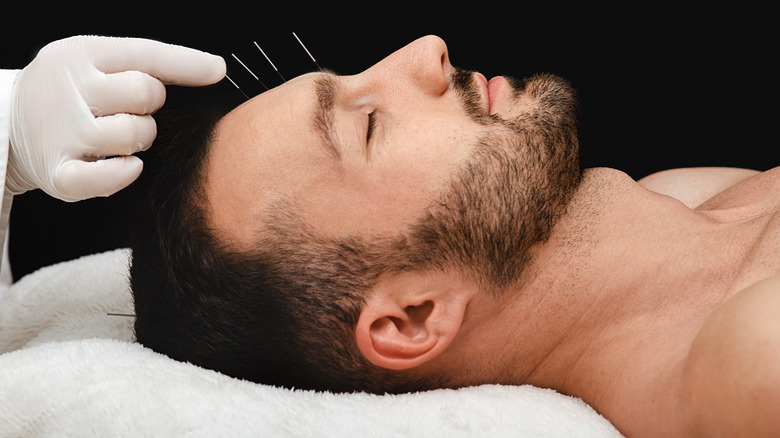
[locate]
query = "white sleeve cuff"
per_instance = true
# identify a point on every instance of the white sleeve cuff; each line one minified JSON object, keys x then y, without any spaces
{"x":7,"y":78}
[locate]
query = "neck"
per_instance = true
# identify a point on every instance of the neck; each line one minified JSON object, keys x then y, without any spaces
{"x":615,"y":296}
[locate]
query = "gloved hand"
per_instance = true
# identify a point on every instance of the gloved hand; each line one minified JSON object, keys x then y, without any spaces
{"x":83,"y":106}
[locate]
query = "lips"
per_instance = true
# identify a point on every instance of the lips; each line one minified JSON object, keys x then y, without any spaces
{"x":484,"y":90}
{"x":497,"y":88}
{"x":492,"y":91}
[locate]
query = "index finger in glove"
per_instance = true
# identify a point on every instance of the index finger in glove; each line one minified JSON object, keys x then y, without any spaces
{"x":171,"y":64}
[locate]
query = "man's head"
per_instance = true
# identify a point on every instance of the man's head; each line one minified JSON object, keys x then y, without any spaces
{"x":331,"y":233}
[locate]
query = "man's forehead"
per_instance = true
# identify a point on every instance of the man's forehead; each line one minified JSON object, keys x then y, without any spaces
{"x":276,"y":97}
{"x":260,"y":153}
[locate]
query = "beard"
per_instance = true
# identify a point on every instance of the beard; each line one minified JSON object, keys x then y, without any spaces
{"x":505,"y":198}
{"x":511,"y":191}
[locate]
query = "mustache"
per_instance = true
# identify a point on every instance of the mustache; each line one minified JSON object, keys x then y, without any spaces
{"x":467,"y":89}
{"x":465,"y":86}
{"x":549,"y":95}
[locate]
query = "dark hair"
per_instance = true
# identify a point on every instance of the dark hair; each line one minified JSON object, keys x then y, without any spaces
{"x":282,"y":314}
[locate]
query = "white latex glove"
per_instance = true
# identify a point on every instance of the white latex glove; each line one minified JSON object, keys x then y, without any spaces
{"x":83,"y":106}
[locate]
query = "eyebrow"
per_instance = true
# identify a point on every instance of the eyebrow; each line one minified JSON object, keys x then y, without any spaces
{"x":326,"y":89}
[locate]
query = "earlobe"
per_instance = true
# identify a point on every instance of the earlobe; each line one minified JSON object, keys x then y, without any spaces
{"x":410,"y":319}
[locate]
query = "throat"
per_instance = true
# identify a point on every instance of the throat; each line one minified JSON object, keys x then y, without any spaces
{"x":617,"y":295}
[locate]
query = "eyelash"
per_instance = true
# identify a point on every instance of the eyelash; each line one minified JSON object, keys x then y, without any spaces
{"x":371,"y":125}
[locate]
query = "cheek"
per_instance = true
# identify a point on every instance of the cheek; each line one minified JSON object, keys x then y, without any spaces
{"x":378,"y":204}
{"x":417,"y":167}
{"x":390,"y":191}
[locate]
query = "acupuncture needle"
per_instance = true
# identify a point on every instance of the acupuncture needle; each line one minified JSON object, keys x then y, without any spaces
{"x":269,"y":61}
{"x":237,"y":87}
{"x":307,"y":51}
{"x":250,"y":71}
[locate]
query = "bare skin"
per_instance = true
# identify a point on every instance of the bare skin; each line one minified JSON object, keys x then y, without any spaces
{"x":646,"y":308}
{"x":654,"y":301}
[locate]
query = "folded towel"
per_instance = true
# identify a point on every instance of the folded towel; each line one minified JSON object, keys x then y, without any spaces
{"x":68,"y":369}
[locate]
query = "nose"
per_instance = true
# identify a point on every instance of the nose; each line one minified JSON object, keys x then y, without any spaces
{"x":423,"y":65}
{"x":427,"y":64}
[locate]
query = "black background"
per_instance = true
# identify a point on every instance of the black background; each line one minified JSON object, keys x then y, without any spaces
{"x":659,"y":87}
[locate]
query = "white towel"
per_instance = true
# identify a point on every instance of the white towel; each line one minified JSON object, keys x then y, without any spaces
{"x":68,"y":369}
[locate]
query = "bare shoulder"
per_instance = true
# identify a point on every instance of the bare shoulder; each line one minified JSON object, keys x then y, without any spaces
{"x":694,"y":185}
{"x":732,"y":376}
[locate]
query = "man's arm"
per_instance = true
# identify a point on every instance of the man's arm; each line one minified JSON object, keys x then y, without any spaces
{"x":733,"y":371}
{"x":694,"y":185}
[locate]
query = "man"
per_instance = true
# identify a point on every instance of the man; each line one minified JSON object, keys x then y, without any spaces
{"x":416,"y":226}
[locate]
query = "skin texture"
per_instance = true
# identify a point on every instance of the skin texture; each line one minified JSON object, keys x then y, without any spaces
{"x":627,"y":302}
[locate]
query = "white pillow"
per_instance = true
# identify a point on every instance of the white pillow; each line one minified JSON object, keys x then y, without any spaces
{"x":68,"y":369}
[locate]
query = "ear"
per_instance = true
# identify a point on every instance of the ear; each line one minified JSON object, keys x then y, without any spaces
{"x":410,"y":318}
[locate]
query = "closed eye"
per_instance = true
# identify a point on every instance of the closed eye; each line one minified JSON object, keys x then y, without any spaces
{"x":371,"y":125}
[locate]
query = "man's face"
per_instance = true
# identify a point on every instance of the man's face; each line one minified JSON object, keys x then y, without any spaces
{"x":367,"y":154}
